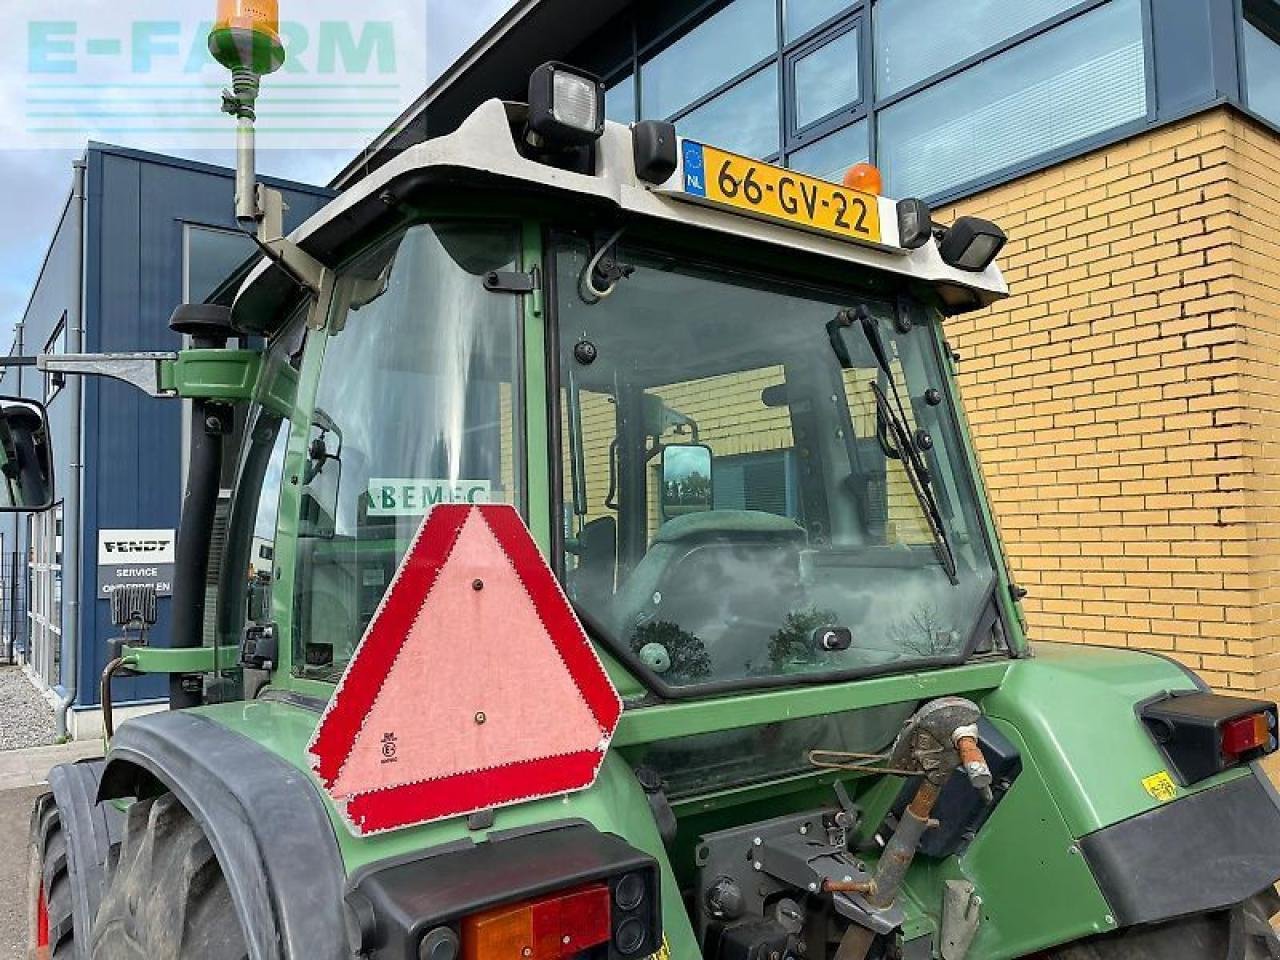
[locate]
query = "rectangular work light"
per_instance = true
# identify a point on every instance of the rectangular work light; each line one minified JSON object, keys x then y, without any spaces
{"x":566,"y":106}
{"x":972,"y":244}
{"x":1203,"y":734}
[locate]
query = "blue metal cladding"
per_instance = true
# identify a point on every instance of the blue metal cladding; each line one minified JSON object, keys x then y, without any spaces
{"x":137,"y":209}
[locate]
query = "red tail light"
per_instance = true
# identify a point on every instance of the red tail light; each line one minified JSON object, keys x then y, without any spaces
{"x":552,"y":928}
{"x":1246,"y":734}
{"x":1203,"y":734}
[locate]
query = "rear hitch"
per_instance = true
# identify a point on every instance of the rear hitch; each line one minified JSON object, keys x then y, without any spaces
{"x":941,"y":736}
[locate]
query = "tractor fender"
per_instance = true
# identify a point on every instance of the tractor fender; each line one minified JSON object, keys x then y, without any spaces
{"x":263,"y":817}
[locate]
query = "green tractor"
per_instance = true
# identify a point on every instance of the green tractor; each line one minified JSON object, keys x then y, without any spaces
{"x":720,"y":396}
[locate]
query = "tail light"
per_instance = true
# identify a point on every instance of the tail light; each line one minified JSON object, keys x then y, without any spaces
{"x":1203,"y":734}
{"x":566,"y":892}
{"x":564,"y":925}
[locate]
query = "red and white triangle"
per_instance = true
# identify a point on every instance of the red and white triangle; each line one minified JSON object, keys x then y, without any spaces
{"x":473,"y":687}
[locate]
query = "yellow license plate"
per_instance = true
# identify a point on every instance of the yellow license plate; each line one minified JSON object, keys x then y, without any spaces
{"x":763,"y":190}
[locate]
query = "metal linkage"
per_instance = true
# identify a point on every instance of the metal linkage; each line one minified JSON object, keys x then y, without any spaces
{"x":938,"y":738}
{"x":141,"y":370}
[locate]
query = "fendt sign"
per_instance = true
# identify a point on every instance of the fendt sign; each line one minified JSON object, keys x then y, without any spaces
{"x":129,"y":557}
{"x":142,"y":75}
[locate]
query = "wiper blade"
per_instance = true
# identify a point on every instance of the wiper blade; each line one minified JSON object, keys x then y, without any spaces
{"x":896,"y":421}
{"x":918,"y":474}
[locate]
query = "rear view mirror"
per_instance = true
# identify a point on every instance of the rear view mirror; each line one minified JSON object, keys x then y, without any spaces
{"x":686,"y":480}
{"x":26,"y":457}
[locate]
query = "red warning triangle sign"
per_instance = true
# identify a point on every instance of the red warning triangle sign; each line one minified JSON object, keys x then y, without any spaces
{"x":473,"y":687}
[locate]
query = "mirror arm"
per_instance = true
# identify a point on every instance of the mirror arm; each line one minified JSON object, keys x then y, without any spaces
{"x":141,"y":370}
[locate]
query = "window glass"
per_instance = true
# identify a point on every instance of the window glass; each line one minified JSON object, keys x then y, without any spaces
{"x":246,"y":571}
{"x":416,"y":405}
{"x":1078,"y":80}
{"x":717,"y":50}
{"x":906,"y":54}
{"x":1262,"y":72}
{"x":211,"y":257}
{"x":813,"y":519}
{"x":743,"y":119}
{"x":801,"y":16}
{"x":835,"y":153}
{"x":620,"y":100}
{"x":827,"y":79}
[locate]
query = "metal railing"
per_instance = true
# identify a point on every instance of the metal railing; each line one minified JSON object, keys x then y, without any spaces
{"x":15,"y":631}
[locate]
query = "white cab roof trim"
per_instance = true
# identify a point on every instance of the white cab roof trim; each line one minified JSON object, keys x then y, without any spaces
{"x":483,"y":143}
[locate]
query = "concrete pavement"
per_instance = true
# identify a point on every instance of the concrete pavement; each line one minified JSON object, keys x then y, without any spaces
{"x":30,"y":767}
{"x":23,"y":775}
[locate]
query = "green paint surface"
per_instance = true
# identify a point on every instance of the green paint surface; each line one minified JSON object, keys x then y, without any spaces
{"x":750,"y":708}
{"x":1075,"y":707}
{"x":227,"y":375}
{"x":615,"y":804}
{"x":182,"y":659}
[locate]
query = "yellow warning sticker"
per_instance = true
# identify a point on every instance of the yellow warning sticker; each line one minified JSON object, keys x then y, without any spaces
{"x":664,"y":953}
{"x":1161,"y":786}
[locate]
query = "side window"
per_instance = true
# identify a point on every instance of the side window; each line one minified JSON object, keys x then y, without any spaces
{"x":248,"y":561}
{"x":417,"y":404}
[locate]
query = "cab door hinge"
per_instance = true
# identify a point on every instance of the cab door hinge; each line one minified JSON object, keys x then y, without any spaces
{"x":507,"y":281}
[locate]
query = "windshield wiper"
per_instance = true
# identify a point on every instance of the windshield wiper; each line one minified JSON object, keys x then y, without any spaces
{"x":895,"y":420}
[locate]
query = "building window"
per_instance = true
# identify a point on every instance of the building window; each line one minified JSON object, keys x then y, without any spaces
{"x":906,"y":53}
{"x":44,"y":612}
{"x":763,"y":482}
{"x":210,"y":257}
{"x":801,"y":16}
{"x":1261,"y":34}
{"x":720,"y":48}
{"x":620,"y":100}
{"x":830,"y":157}
{"x":1078,"y":80}
{"x":56,"y":346}
{"x":825,"y":79}
{"x":940,"y":94}
{"x":743,"y":119}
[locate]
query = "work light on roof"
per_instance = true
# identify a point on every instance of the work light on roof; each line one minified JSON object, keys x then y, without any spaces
{"x":566,"y":106}
{"x":972,"y":244}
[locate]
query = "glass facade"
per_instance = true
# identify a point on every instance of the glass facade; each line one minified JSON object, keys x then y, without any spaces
{"x":987,"y":88}
{"x":210,"y":257}
{"x":1084,"y":78}
{"x":907,"y":54}
{"x":1260,"y":38}
{"x":717,"y":50}
{"x":742,"y":119}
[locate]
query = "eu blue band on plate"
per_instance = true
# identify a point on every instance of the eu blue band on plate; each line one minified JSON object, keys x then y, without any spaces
{"x":695,"y":170}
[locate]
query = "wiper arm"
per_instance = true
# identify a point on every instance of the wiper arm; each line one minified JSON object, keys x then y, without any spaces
{"x":918,"y":474}
{"x":896,"y":421}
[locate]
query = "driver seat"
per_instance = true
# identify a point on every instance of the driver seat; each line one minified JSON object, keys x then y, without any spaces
{"x":677,"y":538}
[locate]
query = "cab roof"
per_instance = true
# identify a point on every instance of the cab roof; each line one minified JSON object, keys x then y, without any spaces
{"x":483,"y":154}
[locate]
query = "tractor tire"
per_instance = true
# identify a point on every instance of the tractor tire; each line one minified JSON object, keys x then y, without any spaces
{"x":1241,"y":934}
{"x":53,"y":881}
{"x":167,"y":898}
{"x":71,"y":841}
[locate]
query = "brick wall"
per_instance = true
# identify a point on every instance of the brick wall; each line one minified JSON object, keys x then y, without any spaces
{"x":1126,"y":398}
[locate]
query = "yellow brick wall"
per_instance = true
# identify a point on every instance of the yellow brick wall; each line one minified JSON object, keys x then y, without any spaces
{"x":1126,"y":398}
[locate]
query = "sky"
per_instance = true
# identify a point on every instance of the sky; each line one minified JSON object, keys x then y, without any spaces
{"x":36,"y":165}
